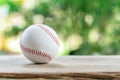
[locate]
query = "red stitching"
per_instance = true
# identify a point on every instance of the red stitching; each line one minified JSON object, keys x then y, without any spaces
{"x":36,"y":52}
{"x":50,"y":34}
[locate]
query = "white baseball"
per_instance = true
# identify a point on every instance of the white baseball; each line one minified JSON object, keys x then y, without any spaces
{"x":39,"y":43}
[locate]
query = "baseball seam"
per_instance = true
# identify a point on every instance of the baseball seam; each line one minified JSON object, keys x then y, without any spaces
{"x":36,"y":52}
{"x":50,"y":34}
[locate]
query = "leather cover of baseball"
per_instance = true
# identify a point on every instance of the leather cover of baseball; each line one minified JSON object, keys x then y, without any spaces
{"x":39,"y":43}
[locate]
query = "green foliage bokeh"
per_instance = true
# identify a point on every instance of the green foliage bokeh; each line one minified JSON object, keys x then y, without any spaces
{"x":67,"y":17}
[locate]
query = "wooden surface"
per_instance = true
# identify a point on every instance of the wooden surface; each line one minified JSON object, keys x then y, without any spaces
{"x":63,"y":68}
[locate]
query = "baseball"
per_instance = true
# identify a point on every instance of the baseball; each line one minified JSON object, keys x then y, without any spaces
{"x":39,"y":43}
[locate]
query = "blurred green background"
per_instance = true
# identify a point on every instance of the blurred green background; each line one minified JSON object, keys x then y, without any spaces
{"x":85,"y":27}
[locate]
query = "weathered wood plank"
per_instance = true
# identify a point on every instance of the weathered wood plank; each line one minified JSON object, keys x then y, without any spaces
{"x":68,"y":67}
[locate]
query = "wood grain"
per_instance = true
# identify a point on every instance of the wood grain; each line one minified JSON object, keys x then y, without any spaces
{"x":63,"y":68}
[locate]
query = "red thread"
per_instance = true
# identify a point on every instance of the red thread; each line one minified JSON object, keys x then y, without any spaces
{"x":36,"y":52}
{"x":50,"y":34}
